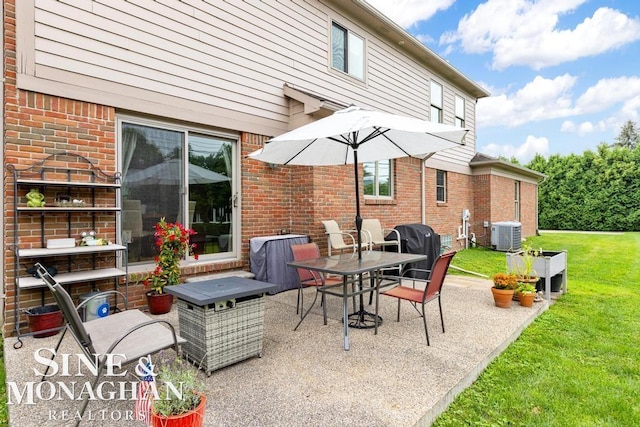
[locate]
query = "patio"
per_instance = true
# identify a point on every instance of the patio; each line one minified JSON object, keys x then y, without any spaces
{"x":306,"y":378}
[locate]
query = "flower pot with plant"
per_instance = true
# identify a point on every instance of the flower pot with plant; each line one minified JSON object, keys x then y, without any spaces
{"x":504,"y":285}
{"x":179,"y":400}
{"x":172,"y":242}
{"x":526,"y":294}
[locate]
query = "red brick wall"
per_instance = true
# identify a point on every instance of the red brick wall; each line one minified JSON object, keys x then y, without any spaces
{"x":445,"y":218}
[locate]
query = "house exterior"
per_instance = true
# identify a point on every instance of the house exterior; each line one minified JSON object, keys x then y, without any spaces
{"x":173,"y":95}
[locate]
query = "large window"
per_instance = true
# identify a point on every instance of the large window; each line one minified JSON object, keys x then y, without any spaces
{"x":347,"y":51}
{"x":441,"y":186}
{"x":436,"y":102}
{"x":517,"y":201}
{"x":377,"y":179}
{"x":181,"y":175}
{"x":459,"y":111}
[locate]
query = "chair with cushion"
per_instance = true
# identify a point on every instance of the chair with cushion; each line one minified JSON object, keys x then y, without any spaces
{"x":308,"y":278}
{"x":336,"y":238}
{"x":129,"y":334}
{"x":430,"y":289}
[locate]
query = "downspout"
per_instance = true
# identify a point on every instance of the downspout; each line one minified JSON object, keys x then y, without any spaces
{"x":423,"y":192}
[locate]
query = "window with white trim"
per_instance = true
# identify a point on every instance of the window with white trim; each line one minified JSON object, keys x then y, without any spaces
{"x":347,"y":51}
{"x":441,"y":186}
{"x":182,"y":174}
{"x":459,"y":120}
{"x":436,"y":102}
{"x":377,"y":179}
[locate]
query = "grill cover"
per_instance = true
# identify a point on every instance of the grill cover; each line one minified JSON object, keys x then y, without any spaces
{"x":419,"y":239}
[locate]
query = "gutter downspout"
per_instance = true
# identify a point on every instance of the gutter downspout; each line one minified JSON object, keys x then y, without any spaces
{"x":423,"y":191}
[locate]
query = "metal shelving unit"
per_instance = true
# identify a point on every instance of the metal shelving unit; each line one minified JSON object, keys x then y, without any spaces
{"x":73,"y":173}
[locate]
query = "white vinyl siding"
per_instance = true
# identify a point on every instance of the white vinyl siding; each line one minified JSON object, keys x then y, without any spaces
{"x":220,"y":64}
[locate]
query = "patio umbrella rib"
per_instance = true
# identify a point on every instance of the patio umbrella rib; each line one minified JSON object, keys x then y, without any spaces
{"x":299,"y":151}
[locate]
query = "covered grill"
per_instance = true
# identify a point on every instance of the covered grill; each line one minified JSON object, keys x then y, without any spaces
{"x":419,"y":239}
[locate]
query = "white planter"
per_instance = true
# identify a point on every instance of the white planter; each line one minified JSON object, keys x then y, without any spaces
{"x":546,"y":265}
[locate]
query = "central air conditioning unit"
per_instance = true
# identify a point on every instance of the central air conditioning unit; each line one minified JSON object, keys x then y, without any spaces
{"x":506,"y":236}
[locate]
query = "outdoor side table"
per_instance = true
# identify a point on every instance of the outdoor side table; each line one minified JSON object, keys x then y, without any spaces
{"x":221,"y":319}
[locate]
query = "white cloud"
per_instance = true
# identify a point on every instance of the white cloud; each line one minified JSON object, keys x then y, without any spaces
{"x":524,"y":32}
{"x":539,"y":99}
{"x":408,"y":12}
{"x":523,"y":153}
{"x":547,"y":99}
{"x":584,"y":128}
{"x":608,"y":92}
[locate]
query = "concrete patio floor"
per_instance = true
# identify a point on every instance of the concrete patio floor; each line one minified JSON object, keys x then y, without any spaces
{"x":306,"y":378}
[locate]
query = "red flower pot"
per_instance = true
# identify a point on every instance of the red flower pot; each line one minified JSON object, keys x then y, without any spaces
{"x":193,"y":418}
{"x":159,"y":303}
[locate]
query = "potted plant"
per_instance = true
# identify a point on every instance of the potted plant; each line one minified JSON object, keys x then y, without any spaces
{"x":504,"y":285}
{"x":524,"y":268}
{"x":526,"y":294}
{"x":172,"y":242}
{"x":180,"y":400}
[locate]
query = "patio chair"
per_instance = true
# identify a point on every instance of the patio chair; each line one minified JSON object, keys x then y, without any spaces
{"x":376,"y":235}
{"x":130,"y":334}
{"x":422,"y":295}
{"x":336,"y":238}
{"x":308,"y":278}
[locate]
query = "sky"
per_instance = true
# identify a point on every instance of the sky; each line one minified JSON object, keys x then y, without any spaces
{"x":564,"y":75}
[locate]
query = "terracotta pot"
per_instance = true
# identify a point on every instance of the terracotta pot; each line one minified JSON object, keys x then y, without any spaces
{"x":502,"y":297}
{"x":159,"y":303}
{"x":526,"y":299}
{"x":193,"y":418}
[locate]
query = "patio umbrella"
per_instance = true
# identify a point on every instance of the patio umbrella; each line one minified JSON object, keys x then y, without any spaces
{"x":358,"y":134}
{"x":169,"y":173}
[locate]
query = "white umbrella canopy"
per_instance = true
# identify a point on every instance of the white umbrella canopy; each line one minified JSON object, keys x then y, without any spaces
{"x":374,"y":134}
{"x":358,"y":134}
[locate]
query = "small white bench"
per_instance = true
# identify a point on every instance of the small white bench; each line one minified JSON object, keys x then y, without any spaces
{"x":238,"y":273}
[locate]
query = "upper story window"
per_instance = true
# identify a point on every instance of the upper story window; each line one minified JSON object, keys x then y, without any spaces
{"x":459,"y":111}
{"x":517,"y":201}
{"x":347,"y":51}
{"x":441,"y":186}
{"x":436,"y":102}
{"x":377,"y":179}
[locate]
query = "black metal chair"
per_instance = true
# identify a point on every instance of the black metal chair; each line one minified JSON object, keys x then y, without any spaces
{"x":130,"y":334}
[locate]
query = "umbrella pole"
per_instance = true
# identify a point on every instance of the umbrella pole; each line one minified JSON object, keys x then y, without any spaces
{"x":361,"y":319}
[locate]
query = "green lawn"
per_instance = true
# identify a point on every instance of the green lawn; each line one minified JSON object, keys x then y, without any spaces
{"x":578,"y":364}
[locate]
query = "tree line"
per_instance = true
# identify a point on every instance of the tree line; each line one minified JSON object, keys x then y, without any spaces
{"x":594,"y":191}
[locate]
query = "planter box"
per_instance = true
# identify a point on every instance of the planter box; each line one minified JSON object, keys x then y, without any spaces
{"x":218,"y":335}
{"x":547,"y":265}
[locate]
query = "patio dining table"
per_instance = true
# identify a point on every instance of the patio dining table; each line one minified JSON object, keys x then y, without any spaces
{"x":346,"y":265}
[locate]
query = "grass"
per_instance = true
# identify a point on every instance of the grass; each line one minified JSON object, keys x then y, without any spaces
{"x":578,"y":364}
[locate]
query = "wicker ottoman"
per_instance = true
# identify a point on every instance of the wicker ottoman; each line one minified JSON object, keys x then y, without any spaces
{"x":216,"y":339}
{"x":222,"y":320}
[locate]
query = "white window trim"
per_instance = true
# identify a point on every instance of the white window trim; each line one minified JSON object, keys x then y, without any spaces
{"x":444,"y":186}
{"x":341,"y":73}
{"x":377,"y":186}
